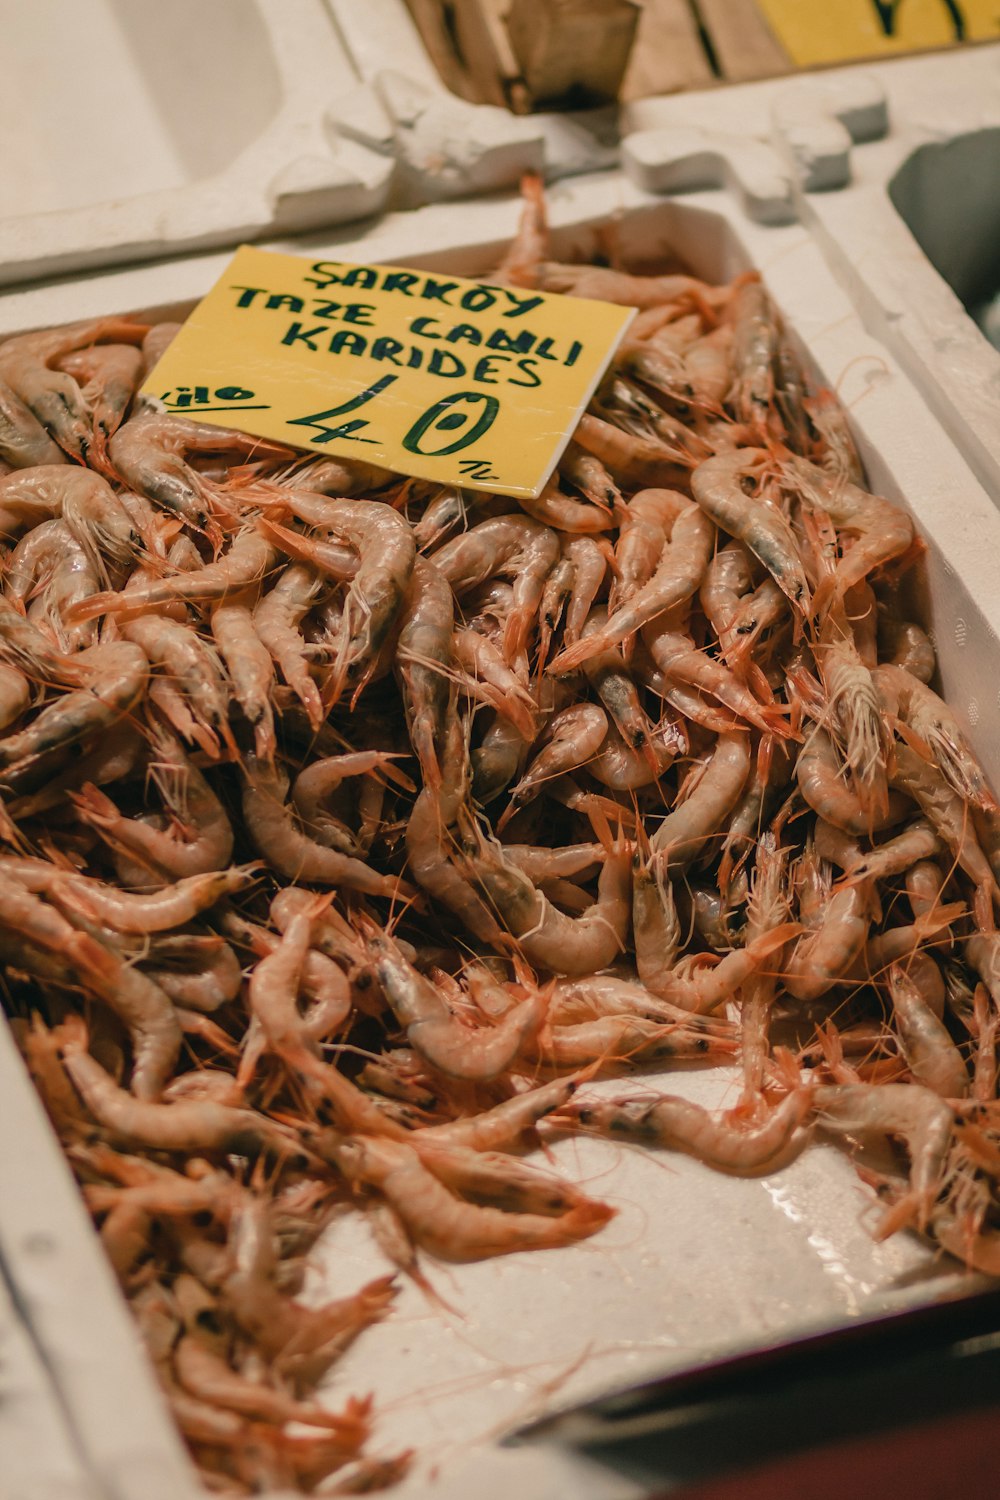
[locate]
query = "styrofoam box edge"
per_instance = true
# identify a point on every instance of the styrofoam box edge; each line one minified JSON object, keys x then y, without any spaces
{"x":299,"y":172}
{"x":53,"y":1259}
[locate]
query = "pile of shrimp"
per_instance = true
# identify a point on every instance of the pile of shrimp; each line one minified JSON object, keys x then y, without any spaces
{"x":352,"y":824}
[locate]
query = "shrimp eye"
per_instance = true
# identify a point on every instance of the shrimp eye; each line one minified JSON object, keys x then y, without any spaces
{"x":324,"y":1114}
{"x":202,"y":1218}
{"x":209,"y":1321}
{"x":586,"y":1117}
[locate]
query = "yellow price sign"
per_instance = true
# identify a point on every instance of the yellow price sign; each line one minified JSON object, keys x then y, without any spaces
{"x":462,"y":382}
{"x":813,"y":33}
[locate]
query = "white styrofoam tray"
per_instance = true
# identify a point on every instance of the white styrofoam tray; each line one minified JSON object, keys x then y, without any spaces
{"x":133,"y":129}
{"x":694,"y":1263}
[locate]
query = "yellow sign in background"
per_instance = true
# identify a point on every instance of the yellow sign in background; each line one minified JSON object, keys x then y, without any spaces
{"x":814,"y":32}
{"x":431,"y":375}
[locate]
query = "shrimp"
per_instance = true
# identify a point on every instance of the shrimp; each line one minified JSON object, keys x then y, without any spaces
{"x":126,"y":911}
{"x":948,"y":814}
{"x":50,"y":566}
{"x":678,"y":574}
{"x":206,"y":1375}
{"x":840,"y":456}
{"x":456,"y":1050}
{"x":424,"y":659}
{"x":629,"y":1038}
{"x":274,"y":987}
{"x":644,"y":530}
{"x":26,"y":648}
{"x":641,"y":460}
{"x":689,"y":983}
{"x":884,"y":530}
{"x":117,"y":675}
{"x":546,"y":937}
{"x":719,"y":487}
{"x":277,"y":618}
{"x":211,"y":978}
{"x":186,"y":1125}
{"x":505,"y":1125}
{"x":909,"y":1111}
{"x":24,"y":442}
{"x":589,"y":564}
{"x":15,"y":695}
{"x":110,"y":375}
{"x":820,"y":778}
{"x":681,"y":1125}
{"x":249,"y":667}
{"x":442,"y":1224}
{"x":679,"y":660}
{"x":56,"y":400}
{"x":447,"y":510}
{"x":573,"y":738}
{"x":623,"y":768}
{"x":318,"y":781}
{"x":331,"y":559}
{"x":684,"y":831}
{"x":430,"y":840}
{"x":587,"y":474}
{"x":905,"y":697}
{"x":561,"y":512}
{"x":143,"y":1008}
{"x":907,"y":646}
{"x":514,"y":545}
{"x":93,"y":513}
{"x":249,"y":558}
{"x":375,"y":596}
{"x":931,"y":1055}
{"x":754,"y":345}
{"x":148,"y":454}
{"x":767,"y":911}
{"x":197,"y":811}
{"x":488,"y":679}
{"x":271,"y":827}
{"x":156,"y":343}
{"x":853,"y":696}
{"x":607,"y":285}
{"x":823,"y":956}
{"x":521,"y":265}
{"x":302,"y":1341}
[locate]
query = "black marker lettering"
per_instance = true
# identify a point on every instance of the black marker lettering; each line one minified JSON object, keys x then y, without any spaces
{"x":478,"y":299}
{"x":437,"y":291}
{"x":360,"y":276}
{"x":279,"y":299}
{"x":422,"y":328}
{"x":248,"y":293}
{"x":387,"y":349}
{"x":296,"y":334}
{"x":328,"y":270}
{"x":436,"y":364}
{"x":484,"y":368}
{"x":527,"y":367}
{"x":445,"y":415}
{"x":400,"y":281}
{"x":521,"y":305}
{"x":359,"y":312}
{"x":346,"y":341}
{"x":464,"y":333}
{"x":518,"y":343}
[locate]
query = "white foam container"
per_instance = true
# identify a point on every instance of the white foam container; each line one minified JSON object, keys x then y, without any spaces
{"x":694,"y":1263}
{"x":134,"y":129}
